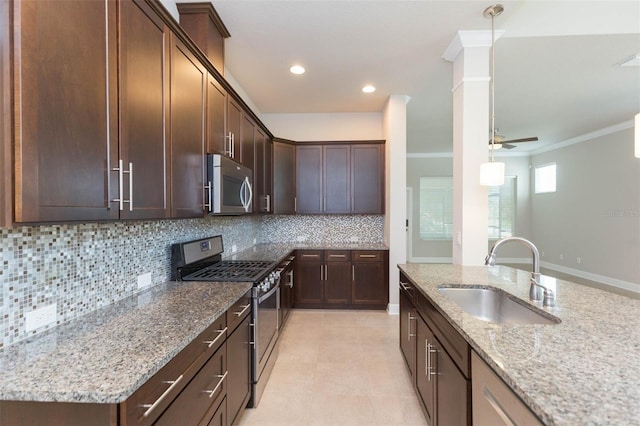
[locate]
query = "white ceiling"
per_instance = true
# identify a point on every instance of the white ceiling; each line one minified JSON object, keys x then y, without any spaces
{"x":555,"y":64}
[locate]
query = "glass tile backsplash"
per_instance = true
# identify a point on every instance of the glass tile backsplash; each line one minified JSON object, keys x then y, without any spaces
{"x":83,"y":267}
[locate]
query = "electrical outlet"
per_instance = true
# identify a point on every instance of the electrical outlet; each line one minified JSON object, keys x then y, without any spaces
{"x":354,"y":239}
{"x":234,"y":248}
{"x":144,"y":280}
{"x":41,"y":317}
{"x":578,"y":259}
{"x":542,"y":253}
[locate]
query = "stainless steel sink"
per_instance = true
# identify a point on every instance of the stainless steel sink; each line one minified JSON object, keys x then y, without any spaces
{"x":495,"y":305}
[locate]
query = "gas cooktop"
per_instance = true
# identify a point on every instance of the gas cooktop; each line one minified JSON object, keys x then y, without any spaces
{"x":232,"y":270}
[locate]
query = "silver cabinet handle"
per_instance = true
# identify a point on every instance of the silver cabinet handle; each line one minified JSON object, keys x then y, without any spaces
{"x":121,"y":171}
{"x":353,"y":272}
{"x":243,"y":310}
{"x":233,"y":145}
{"x":405,"y":286}
{"x":295,"y":204}
{"x":429,"y":349}
{"x":409,"y":334}
{"x":228,"y":152}
{"x":151,"y":407}
{"x":209,"y":206}
{"x":326,"y":273}
{"x":213,"y":342}
{"x":311,"y":255}
{"x":342,"y":256}
{"x":367,"y":256}
{"x":213,"y":392}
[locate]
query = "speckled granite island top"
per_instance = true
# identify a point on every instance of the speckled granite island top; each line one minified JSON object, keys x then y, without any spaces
{"x":583,"y":371}
{"x":105,"y":356}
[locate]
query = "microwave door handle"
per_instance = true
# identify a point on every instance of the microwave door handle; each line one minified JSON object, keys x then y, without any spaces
{"x":242,"y":192}
{"x":250,"y":198}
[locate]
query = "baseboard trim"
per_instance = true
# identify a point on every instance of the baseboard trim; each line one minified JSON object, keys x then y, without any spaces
{"x":393,"y":309}
{"x":604,"y":280}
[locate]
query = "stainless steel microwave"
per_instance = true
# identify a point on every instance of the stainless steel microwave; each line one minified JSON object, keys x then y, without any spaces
{"x":229,"y":185}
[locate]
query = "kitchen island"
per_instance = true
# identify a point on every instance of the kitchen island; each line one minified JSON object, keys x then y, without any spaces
{"x":583,"y":370}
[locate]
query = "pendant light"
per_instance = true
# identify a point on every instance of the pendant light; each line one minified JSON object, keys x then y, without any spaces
{"x":492,"y":173}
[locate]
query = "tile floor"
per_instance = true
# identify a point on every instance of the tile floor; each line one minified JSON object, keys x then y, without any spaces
{"x":338,"y":368}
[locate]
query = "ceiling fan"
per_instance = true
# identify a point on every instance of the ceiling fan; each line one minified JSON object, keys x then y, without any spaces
{"x":500,"y":141}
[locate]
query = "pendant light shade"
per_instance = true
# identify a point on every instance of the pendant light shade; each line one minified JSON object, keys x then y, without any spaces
{"x":492,"y":173}
{"x":637,"y":135}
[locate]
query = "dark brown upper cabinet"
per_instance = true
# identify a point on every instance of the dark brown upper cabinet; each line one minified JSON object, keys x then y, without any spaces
{"x":262,"y":172}
{"x":188,"y":89}
{"x":284,"y":177}
{"x":65,"y":110}
{"x":340,"y":178}
{"x":144,"y":92}
{"x":216,"y":107}
{"x":203,"y":24}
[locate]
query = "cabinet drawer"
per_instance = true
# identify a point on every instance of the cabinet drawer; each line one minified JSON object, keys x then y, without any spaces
{"x":455,"y":345}
{"x":207,"y":389}
{"x":310,"y":255}
{"x":337,"y":256}
{"x":153,"y":397}
{"x":237,"y":312}
{"x":367,"y":255}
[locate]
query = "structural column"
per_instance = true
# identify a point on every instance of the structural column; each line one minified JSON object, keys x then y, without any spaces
{"x":469,"y":52}
{"x":395,"y":233}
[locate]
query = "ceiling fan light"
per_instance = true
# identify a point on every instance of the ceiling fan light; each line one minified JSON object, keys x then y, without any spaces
{"x":492,"y":173}
{"x":496,"y":146}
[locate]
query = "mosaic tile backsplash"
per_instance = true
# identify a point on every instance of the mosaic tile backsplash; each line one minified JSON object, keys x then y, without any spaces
{"x":83,"y":267}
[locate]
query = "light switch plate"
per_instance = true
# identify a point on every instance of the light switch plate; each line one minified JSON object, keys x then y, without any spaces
{"x":41,"y":317}
{"x":144,"y":280}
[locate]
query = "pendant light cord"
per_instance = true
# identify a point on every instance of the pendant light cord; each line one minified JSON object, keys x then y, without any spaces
{"x":493,"y":95}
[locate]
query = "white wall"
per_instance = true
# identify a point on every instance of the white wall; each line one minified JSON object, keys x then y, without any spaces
{"x":325,"y":127}
{"x":595,"y":212}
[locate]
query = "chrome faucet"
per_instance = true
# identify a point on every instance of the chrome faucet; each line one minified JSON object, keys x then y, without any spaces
{"x":536,"y":290}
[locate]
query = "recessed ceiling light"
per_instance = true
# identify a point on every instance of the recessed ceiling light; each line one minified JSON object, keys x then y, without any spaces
{"x":631,"y":61}
{"x":297,"y":69}
{"x":368,"y":89}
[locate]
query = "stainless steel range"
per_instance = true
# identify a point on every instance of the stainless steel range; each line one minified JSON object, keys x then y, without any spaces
{"x":201,"y":260}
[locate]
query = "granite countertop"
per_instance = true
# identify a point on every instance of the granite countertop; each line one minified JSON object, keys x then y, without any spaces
{"x":582,"y":371}
{"x":105,"y":356}
{"x":278,"y":251}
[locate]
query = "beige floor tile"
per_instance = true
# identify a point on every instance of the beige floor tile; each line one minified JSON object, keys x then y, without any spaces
{"x":338,"y":368}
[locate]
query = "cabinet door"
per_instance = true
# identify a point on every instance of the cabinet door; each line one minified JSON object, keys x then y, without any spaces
{"x":284,"y":178}
{"x":308,"y":287}
{"x":454,"y":405}
{"x":336,"y":179}
{"x":309,"y":181}
{"x":247,"y":144}
{"x":188,"y":78}
{"x":426,"y":370}
{"x":234,"y":124}
{"x":369,"y":285}
{"x":337,"y":283}
{"x":259,"y":187}
{"x":408,"y":334}
{"x":144,"y":89}
{"x":268,"y":175}
{"x":367,"y":179}
{"x":239,"y":367}
{"x":66,"y":135}
{"x":216,"y":106}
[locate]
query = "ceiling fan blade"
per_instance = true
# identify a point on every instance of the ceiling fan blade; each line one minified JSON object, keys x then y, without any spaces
{"x":507,"y":146}
{"x":531,"y":139}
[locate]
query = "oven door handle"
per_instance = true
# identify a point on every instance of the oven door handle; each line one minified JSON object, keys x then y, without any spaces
{"x":269,"y":293}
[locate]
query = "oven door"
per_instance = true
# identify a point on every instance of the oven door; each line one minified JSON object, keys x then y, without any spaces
{"x":266,"y":309}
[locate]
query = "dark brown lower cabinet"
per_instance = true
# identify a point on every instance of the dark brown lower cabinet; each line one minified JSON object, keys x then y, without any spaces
{"x":441,"y":374}
{"x":239,"y":368}
{"x":350,"y":279}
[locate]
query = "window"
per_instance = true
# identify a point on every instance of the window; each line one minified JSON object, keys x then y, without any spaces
{"x":436,"y":208}
{"x":545,"y":178}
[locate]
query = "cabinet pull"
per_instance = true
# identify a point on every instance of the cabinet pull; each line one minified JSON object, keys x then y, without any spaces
{"x":338,"y":255}
{"x":428,"y":351}
{"x":221,"y":377}
{"x":151,"y":407}
{"x":326,"y":273}
{"x":243,"y":310}
{"x":353,"y":272}
{"x":209,"y":206}
{"x":367,"y":256}
{"x":409,"y":335}
{"x":311,"y":255}
{"x":404,"y":286}
{"x":121,"y":171}
{"x":213,"y":342}
{"x":321,"y":273}
{"x":233,"y":145}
